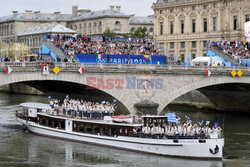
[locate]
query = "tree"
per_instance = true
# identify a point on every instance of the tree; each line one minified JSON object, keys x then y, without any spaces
{"x":141,"y":32}
{"x":109,"y":33}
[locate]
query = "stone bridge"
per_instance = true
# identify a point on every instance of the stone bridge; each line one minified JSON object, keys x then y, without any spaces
{"x":130,"y":84}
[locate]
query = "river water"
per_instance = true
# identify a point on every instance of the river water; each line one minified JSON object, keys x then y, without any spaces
{"x":18,"y":147}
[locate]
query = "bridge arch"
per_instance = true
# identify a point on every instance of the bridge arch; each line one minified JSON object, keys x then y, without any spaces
{"x":195,"y":85}
{"x":73,"y":78}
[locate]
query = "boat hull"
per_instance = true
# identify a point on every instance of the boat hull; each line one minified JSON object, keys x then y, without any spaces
{"x":185,"y":148}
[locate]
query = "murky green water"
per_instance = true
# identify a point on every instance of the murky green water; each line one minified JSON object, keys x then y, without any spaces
{"x":18,"y":147}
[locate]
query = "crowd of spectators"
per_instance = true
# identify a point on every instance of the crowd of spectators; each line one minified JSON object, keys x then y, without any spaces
{"x":237,"y":50}
{"x":84,"y":45}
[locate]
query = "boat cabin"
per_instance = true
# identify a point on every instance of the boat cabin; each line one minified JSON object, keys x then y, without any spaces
{"x":155,"y":119}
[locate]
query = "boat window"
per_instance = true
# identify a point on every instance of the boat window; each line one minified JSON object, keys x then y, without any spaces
{"x":113,"y":131}
{"x":126,"y":131}
{"x":97,"y":130}
{"x":49,"y":122}
{"x":63,"y":125}
{"x":81,"y":128}
{"x":120,"y":130}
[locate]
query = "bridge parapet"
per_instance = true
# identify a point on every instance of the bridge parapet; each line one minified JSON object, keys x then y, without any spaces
{"x":125,"y":68}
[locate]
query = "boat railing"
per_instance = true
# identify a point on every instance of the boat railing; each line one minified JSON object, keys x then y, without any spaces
{"x":166,"y":136}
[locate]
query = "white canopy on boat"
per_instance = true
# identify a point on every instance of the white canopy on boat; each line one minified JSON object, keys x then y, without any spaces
{"x":36,"y":105}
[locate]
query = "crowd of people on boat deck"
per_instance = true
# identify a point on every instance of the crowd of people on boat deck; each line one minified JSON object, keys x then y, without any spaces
{"x":179,"y":130}
{"x":82,"y":109}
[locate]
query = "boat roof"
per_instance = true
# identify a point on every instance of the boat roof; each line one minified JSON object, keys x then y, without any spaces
{"x":101,"y":121}
{"x":154,"y":116}
{"x":36,"y":105}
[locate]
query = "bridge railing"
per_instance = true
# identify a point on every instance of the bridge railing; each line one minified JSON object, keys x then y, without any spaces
{"x":74,"y":66}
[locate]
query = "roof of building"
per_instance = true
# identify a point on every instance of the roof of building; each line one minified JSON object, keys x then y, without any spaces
{"x":54,"y":29}
{"x":100,"y":13}
{"x":36,"y":17}
{"x":141,"y":20}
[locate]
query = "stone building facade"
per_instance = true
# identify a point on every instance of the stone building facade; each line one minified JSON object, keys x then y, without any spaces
{"x":184,"y":26}
{"x":91,"y":23}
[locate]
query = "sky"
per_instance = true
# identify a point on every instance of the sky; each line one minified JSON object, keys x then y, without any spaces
{"x":137,"y":7}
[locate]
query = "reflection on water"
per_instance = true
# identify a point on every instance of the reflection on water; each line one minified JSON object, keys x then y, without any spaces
{"x":18,"y":147}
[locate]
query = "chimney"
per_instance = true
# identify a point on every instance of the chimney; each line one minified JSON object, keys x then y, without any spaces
{"x":118,"y":9}
{"x":74,"y":11}
{"x":58,"y":14}
{"x":28,"y":14}
{"x":15,"y":13}
{"x":112,"y":8}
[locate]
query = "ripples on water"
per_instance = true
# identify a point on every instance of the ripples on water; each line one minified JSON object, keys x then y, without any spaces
{"x":18,"y":147}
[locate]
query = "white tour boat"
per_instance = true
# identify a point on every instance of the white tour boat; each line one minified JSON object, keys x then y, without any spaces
{"x":42,"y":120}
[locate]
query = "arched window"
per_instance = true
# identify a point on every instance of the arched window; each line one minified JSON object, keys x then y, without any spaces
{"x":71,"y":27}
{"x":85,"y":28}
{"x":132,"y":29}
{"x":80,"y":26}
{"x":94,"y":27}
{"x":90,"y":27}
{"x":100,"y":27}
{"x":117,"y":26}
{"x":151,"y":31}
{"x":75,"y":27}
{"x":11,"y":29}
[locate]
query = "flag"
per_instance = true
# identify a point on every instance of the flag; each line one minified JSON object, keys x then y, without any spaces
{"x":99,"y":56}
{"x":207,"y":123}
{"x":171,"y":117}
{"x":217,"y":124}
{"x":81,"y":70}
{"x":208,"y":73}
{"x":8,"y":70}
{"x":200,"y":123}
{"x":188,"y":59}
{"x":146,"y":57}
{"x":40,"y":53}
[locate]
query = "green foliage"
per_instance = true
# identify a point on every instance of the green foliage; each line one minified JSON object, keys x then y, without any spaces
{"x":109,"y":33}
{"x":141,"y":32}
{"x":125,"y":35}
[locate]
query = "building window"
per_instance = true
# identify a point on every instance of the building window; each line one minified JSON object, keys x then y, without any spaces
{"x":235,"y":22}
{"x":193,"y":25}
{"x":171,"y":27}
{"x":182,"y":26}
{"x":204,"y":44}
{"x":182,"y":9}
{"x":182,"y":58}
{"x":214,"y":5}
{"x":214,"y":24}
{"x":182,"y":45}
{"x":171,"y":45}
{"x":161,"y":28}
{"x":161,"y":11}
{"x":171,"y":10}
{"x":193,"y":56}
{"x":193,"y":8}
{"x":247,"y":17}
{"x":205,"y":6}
{"x":205,"y":24}
{"x":117,"y":26}
{"x":193,"y":44}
